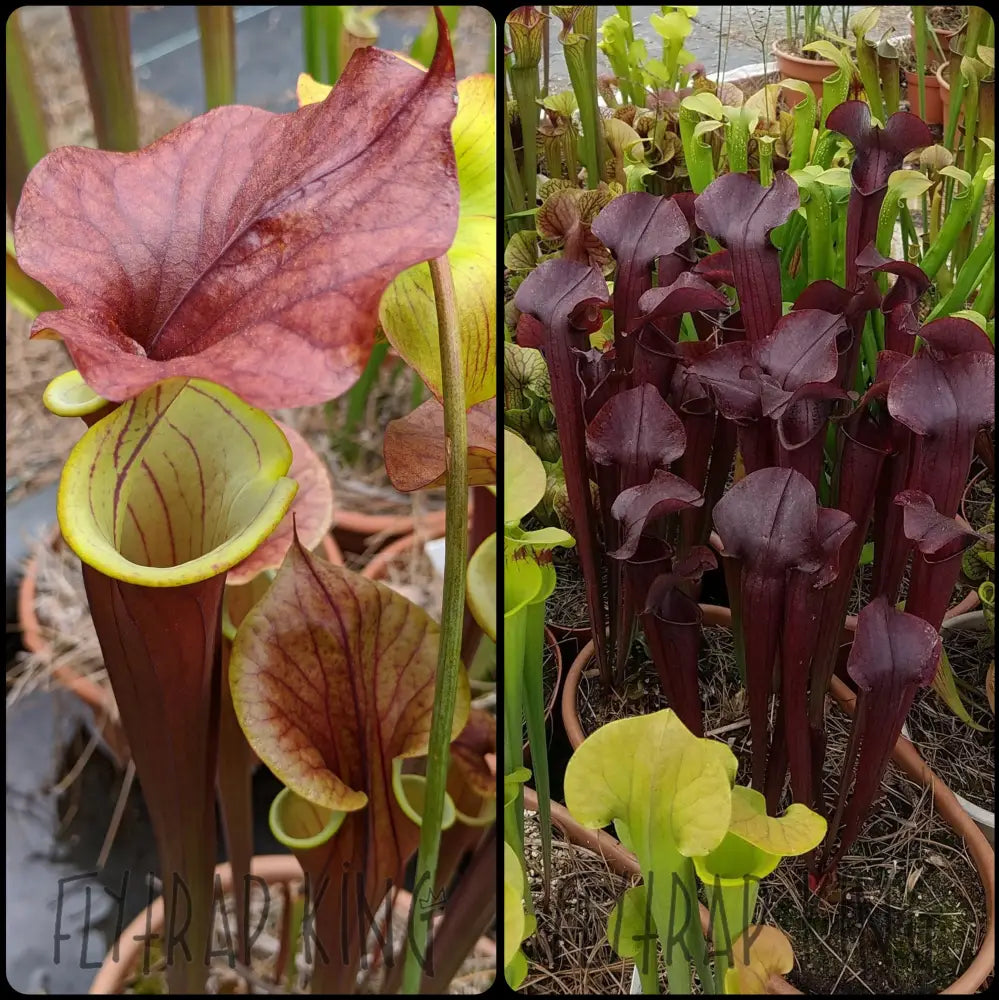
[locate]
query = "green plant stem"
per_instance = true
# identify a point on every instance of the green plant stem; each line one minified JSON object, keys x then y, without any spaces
{"x":834,"y":92}
{"x":961,"y":209}
{"x":766,"y":154}
{"x":534,"y":716}
{"x":985,"y":300}
{"x":312,"y":41}
{"x":585,"y":89}
{"x":218,"y":54}
{"x":524,"y":82}
{"x":297,"y":907}
{"x":357,"y":399}
{"x":804,"y":122}
{"x":818,"y":217}
{"x":546,"y":54}
{"x":514,"y":195}
{"x":867,"y":64}
{"x":26,"y":139}
{"x":26,"y":294}
{"x":825,"y":148}
{"x":737,"y":143}
{"x":452,"y":613}
{"x":332,"y":37}
{"x":514,"y":647}
{"x":970,"y":274}
{"x":909,"y":228}
{"x":102,"y":37}
{"x":976,"y":19}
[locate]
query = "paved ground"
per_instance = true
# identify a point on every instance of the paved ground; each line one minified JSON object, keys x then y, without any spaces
{"x":724,"y":37}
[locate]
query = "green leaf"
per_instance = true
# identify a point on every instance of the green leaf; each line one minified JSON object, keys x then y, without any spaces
{"x":704,"y":104}
{"x":523,"y":478}
{"x":521,"y":252}
{"x":795,"y":833}
{"x":654,"y":774}
{"x":908,"y":184}
{"x":628,"y":924}
{"x":514,"y":917}
{"x":407,"y":311}
{"x":672,"y":27}
{"x":829,"y":51}
{"x":945,"y":686}
{"x":480,"y":586}
{"x":564,"y":102}
{"x":864,"y":20}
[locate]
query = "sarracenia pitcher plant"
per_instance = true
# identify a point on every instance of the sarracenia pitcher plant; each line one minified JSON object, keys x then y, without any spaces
{"x":254,"y":249}
{"x":671,"y":799}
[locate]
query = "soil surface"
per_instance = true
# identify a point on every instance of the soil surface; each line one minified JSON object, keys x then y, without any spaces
{"x":962,"y":755}
{"x":355,"y":454}
{"x":904,"y":914}
{"x":566,"y":608}
{"x":268,"y":911}
{"x":570,"y":953}
{"x":948,"y":17}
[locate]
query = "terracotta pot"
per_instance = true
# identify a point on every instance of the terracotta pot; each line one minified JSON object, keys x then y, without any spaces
{"x":943,"y":78}
{"x":358,"y":532}
{"x":274,"y":869}
{"x":378,"y":567}
{"x":553,"y":645}
{"x":98,"y":697}
{"x":934,"y":106}
{"x":944,"y":35}
{"x":967,"y":490}
{"x":571,"y":638}
{"x":982,"y":815}
{"x":904,"y":755}
{"x":811,"y":71}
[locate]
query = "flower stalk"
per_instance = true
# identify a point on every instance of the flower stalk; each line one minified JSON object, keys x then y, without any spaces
{"x":102,"y":36}
{"x":218,"y":54}
{"x":452,"y":613}
{"x":26,"y":139}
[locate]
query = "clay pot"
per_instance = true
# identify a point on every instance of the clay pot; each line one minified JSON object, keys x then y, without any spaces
{"x":378,"y":567}
{"x":98,"y":697}
{"x":982,"y":815}
{"x":274,"y":869}
{"x":358,"y":532}
{"x":934,"y":107}
{"x":944,"y":35}
{"x":943,"y":78}
{"x":967,"y":492}
{"x":552,"y":643}
{"x":811,"y":71}
{"x":905,"y":757}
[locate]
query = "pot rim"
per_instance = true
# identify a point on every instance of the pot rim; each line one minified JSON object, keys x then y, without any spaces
{"x":967,"y":489}
{"x":948,"y":32}
{"x":905,"y":755}
{"x":275,"y":869}
{"x":379,"y":564}
{"x":556,"y":649}
{"x":796,"y":58}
